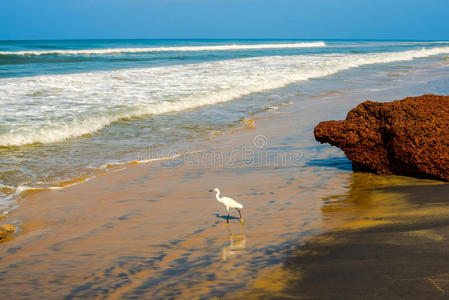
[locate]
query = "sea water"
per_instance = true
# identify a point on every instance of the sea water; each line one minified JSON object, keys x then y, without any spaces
{"x":73,"y":108}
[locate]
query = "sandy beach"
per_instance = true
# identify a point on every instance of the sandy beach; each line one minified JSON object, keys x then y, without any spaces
{"x":312,"y":227}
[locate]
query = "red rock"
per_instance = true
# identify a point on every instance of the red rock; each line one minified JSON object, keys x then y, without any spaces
{"x":406,"y":137}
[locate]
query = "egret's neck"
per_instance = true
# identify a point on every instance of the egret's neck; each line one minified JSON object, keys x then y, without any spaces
{"x":218,"y":195}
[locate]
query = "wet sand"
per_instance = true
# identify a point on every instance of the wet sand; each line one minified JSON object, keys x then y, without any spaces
{"x":395,"y":249}
{"x":154,"y":231}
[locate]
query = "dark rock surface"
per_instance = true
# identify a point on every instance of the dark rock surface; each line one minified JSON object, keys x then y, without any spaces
{"x":405,"y":137}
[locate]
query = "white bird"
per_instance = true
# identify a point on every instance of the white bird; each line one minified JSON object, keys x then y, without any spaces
{"x":228,"y":202}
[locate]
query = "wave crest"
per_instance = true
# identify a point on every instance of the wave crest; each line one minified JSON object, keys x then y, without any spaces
{"x":166,"y":49}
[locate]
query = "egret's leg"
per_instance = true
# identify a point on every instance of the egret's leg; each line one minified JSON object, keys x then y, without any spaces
{"x":241,"y":219}
{"x":239,"y":213}
{"x":227,"y":219}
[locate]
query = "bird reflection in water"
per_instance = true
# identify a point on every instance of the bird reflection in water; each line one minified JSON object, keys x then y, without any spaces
{"x":236,"y":246}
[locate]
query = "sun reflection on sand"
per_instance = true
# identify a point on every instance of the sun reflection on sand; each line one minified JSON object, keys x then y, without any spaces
{"x":366,"y":202}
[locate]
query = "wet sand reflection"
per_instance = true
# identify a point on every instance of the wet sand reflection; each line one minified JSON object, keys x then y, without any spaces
{"x":237,"y":243}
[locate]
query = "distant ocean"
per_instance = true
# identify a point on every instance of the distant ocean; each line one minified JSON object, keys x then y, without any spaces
{"x":71,"y":108}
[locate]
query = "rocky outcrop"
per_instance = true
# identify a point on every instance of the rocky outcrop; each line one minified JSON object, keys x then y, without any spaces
{"x":6,"y":230}
{"x":405,"y":137}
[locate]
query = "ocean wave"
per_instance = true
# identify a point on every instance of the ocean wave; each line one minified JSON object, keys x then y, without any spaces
{"x":166,"y":49}
{"x":54,"y":108}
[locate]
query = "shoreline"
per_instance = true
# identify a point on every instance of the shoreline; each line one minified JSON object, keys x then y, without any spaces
{"x":82,"y":156}
{"x":136,"y":224}
{"x":155,"y":230}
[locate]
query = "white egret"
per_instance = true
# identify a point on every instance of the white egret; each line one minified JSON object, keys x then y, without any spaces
{"x":229,"y":203}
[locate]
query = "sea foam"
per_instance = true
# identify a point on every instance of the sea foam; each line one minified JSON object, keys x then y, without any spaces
{"x":166,"y":49}
{"x":53,"y":108}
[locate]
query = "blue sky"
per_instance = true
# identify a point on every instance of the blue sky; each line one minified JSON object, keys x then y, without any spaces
{"x":308,"y":19}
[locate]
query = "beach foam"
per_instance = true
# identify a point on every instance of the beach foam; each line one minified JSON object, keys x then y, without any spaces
{"x":53,"y":108}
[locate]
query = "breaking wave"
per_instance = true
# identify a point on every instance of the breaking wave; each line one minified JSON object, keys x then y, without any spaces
{"x":166,"y":49}
{"x":53,"y":108}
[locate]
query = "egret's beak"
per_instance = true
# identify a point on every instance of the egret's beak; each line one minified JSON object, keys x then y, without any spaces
{"x":211,"y":190}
